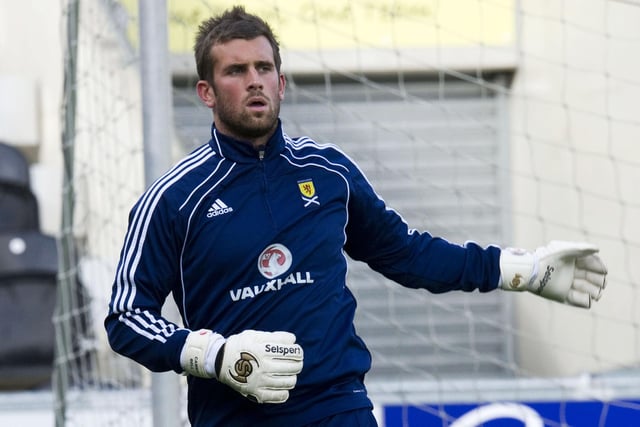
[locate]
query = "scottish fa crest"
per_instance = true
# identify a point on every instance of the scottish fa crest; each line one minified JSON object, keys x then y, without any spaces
{"x":308,"y":192}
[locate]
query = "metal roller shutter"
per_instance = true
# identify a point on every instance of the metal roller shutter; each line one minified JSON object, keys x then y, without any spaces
{"x":432,"y":151}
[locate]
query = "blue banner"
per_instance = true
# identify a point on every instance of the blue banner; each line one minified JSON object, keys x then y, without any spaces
{"x":618,"y":413}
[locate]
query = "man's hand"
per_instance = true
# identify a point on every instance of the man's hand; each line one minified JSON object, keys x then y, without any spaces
{"x":566,"y":272}
{"x":262,"y":366}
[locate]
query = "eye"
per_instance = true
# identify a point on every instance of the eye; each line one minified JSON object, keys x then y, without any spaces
{"x":265,"y":68}
{"x":235,"y":70}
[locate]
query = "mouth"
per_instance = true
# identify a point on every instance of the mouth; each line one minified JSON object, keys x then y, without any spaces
{"x":257,"y":103}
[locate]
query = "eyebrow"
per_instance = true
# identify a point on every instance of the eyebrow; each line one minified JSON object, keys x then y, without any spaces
{"x":244,"y":65}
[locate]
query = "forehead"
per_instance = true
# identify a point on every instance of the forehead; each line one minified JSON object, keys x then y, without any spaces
{"x":241,"y":51}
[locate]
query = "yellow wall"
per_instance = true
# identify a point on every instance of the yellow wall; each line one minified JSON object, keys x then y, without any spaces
{"x":339,"y":24}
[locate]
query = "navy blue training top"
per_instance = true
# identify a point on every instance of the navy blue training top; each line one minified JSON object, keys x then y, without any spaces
{"x":247,"y":239}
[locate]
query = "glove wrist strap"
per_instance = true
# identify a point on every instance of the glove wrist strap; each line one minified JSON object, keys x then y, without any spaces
{"x":199,"y":351}
{"x":518,"y":269}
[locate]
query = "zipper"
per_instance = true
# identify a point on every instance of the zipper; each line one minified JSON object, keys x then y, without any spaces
{"x":265,"y":185}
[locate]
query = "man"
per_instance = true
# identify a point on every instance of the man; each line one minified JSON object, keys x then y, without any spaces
{"x":249,"y":234}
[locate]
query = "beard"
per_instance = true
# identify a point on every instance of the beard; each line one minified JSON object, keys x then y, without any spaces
{"x":244,"y":124}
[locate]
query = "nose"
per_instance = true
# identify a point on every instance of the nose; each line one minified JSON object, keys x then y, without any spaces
{"x":255,"y":83}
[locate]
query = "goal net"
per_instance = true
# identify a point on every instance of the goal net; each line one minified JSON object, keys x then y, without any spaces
{"x":508,"y":122}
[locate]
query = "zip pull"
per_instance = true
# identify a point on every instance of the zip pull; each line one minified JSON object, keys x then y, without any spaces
{"x":261,"y":150}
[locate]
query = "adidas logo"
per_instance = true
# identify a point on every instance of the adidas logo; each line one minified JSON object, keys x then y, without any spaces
{"x":218,"y":208}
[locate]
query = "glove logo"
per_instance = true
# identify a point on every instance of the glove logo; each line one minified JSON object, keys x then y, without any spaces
{"x":515,"y":282}
{"x":243,"y":367}
{"x":545,"y":279}
{"x":275,"y":260}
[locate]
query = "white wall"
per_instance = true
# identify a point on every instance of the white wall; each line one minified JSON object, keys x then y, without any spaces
{"x":575,"y":162}
{"x":31,"y":85}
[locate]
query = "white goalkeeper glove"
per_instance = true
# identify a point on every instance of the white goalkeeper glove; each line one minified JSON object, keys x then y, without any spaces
{"x":262,"y":366}
{"x":567,"y":272}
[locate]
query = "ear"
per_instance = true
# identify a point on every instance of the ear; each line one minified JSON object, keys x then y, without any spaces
{"x":281,"y":87}
{"x":205,"y":92}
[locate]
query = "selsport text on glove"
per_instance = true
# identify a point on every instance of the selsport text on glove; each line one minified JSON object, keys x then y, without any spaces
{"x":567,"y":272}
{"x":262,"y":366}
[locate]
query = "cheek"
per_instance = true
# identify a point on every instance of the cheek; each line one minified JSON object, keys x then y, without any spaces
{"x":223,"y":94}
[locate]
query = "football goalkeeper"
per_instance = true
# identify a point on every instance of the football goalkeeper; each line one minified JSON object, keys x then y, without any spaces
{"x":250,"y":233}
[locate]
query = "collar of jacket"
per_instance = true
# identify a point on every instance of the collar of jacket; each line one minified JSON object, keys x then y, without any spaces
{"x":242,"y":151}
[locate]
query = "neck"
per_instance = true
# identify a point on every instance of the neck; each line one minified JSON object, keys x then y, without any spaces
{"x":257,"y":142}
{"x":260,"y":142}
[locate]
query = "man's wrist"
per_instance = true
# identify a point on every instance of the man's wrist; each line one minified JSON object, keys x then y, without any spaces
{"x":218,"y":363}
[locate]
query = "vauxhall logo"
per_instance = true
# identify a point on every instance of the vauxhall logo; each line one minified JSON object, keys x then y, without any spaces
{"x":297,"y":278}
{"x":275,"y":260}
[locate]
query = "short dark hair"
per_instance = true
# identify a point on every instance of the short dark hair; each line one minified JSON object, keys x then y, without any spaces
{"x":232,"y":24}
